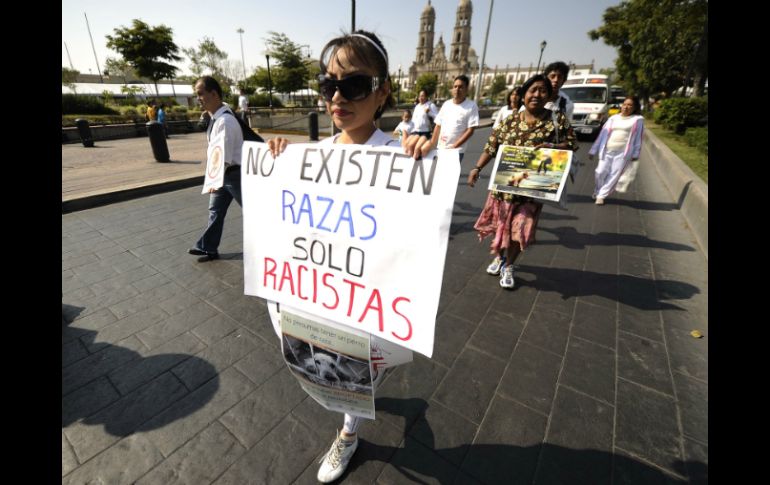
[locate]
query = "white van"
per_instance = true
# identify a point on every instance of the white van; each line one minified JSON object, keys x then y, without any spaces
{"x":591,"y":97}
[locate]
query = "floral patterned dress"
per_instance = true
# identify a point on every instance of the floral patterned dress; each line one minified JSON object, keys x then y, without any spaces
{"x":513,"y":217}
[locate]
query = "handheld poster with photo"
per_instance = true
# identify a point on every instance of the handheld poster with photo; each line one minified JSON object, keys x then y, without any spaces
{"x":540,"y":173}
{"x":352,"y":233}
{"x":215,"y":164}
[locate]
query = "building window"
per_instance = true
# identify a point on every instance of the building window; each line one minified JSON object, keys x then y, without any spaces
{"x":459,"y":36}
{"x":422,"y":42}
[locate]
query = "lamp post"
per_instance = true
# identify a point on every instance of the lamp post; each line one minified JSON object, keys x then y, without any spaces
{"x":398,"y":93}
{"x":243,"y":62}
{"x":542,"y":48}
{"x":353,"y":17}
{"x":269,"y":84}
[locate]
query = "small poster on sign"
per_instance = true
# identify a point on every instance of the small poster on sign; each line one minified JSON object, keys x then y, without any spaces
{"x":215,"y":164}
{"x":540,"y":173}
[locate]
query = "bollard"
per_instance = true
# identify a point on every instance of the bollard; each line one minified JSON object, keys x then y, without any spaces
{"x":158,"y":141}
{"x":313,"y":125}
{"x":85,"y":132}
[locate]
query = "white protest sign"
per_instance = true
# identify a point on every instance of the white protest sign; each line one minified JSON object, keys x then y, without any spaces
{"x":353,"y":233}
{"x":215,"y":164}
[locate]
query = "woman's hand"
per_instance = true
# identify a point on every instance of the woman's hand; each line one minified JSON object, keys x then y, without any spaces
{"x":416,"y":145}
{"x":473,"y":176}
{"x":277,"y":145}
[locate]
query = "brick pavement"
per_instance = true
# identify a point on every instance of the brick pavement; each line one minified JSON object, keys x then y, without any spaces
{"x":585,"y":373}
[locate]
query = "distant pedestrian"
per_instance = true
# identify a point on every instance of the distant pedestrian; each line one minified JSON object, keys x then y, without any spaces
{"x":321,"y":105}
{"x":152,"y":114}
{"x":223,"y":123}
{"x":162,"y":118}
{"x":510,"y":219}
{"x":406,"y":127}
{"x":243,"y":107}
{"x":514,"y":103}
{"x":424,"y":112}
{"x":618,"y":145}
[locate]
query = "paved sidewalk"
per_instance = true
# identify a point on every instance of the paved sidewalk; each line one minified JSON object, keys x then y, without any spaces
{"x":586,"y":373}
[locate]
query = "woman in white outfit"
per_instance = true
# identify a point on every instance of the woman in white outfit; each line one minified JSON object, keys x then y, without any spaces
{"x":618,"y":144}
{"x":356,"y":88}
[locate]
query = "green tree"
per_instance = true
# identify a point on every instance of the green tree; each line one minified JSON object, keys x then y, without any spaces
{"x":659,"y":43}
{"x":68,"y":77}
{"x":427,"y":82}
{"x":207,"y":58}
{"x":289,"y":71}
{"x":118,"y":67}
{"x":144,"y":47}
{"x":498,"y":86}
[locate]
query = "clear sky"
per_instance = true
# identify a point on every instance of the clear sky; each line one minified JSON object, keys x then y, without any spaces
{"x":516,"y":30}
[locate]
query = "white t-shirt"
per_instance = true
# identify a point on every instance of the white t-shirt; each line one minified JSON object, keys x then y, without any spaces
{"x":454,"y":119}
{"x":404,"y":128}
{"x":243,"y":102}
{"x":502,"y":115}
{"x":420,"y":115}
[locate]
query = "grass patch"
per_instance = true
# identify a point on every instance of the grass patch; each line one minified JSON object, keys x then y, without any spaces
{"x":691,"y":156}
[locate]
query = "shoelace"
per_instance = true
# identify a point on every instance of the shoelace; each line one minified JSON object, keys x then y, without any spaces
{"x":335,"y":453}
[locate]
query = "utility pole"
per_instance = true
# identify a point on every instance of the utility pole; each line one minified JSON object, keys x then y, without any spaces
{"x":353,"y":17}
{"x":484,"y":52}
{"x":94,"y":49}
{"x":68,"y":56}
{"x":243,"y":63}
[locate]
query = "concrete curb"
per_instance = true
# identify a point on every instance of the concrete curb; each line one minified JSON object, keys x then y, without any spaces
{"x":128,"y":194}
{"x":685,"y":187}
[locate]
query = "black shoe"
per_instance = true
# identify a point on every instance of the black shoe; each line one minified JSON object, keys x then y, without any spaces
{"x":196,"y":252}
{"x":208,"y":257}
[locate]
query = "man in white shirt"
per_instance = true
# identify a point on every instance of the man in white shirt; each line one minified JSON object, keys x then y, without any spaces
{"x":423,"y":111}
{"x":222,"y":124}
{"x":243,"y":105}
{"x":457,"y":119}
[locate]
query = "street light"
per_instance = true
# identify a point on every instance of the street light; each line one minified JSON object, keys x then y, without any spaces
{"x":542,"y":48}
{"x":269,"y":84}
{"x":243,"y":62}
{"x":398,"y":95}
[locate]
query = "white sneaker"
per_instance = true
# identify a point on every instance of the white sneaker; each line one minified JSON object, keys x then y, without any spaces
{"x":506,"y":278}
{"x":495,"y":266}
{"x":599,"y":201}
{"x":336,"y":460}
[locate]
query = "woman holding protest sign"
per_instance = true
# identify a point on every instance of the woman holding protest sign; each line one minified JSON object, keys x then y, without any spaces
{"x":355,"y":85}
{"x":512,"y":219}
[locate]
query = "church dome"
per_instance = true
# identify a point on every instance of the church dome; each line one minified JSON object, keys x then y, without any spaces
{"x":428,"y":9}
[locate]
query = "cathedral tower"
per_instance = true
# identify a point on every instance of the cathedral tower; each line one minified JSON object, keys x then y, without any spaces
{"x":461,"y":36}
{"x":425,"y":41}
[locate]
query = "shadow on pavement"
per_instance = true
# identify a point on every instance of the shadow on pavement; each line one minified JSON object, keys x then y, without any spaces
{"x":634,"y":204}
{"x":570,"y":238}
{"x":629,"y":290}
{"x":504,"y":464}
{"x":116,"y":387}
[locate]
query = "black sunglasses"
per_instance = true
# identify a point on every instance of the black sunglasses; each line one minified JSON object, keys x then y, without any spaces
{"x":352,"y":88}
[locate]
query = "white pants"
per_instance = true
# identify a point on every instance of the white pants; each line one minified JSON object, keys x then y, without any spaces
{"x":608,"y":172}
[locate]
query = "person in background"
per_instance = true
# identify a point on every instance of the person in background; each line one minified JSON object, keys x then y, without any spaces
{"x":557,"y":73}
{"x":406,"y":127}
{"x":512,"y":219}
{"x":356,"y":88}
{"x":222,"y":123}
{"x":152,"y":114}
{"x":619,"y":143}
{"x":243,"y":107}
{"x":162,"y":118}
{"x":424,"y":111}
{"x":514,"y":103}
{"x":455,"y":123}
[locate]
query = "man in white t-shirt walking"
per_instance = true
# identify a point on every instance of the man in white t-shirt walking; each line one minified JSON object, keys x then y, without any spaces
{"x":457,"y":119}
{"x":243,"y":105}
